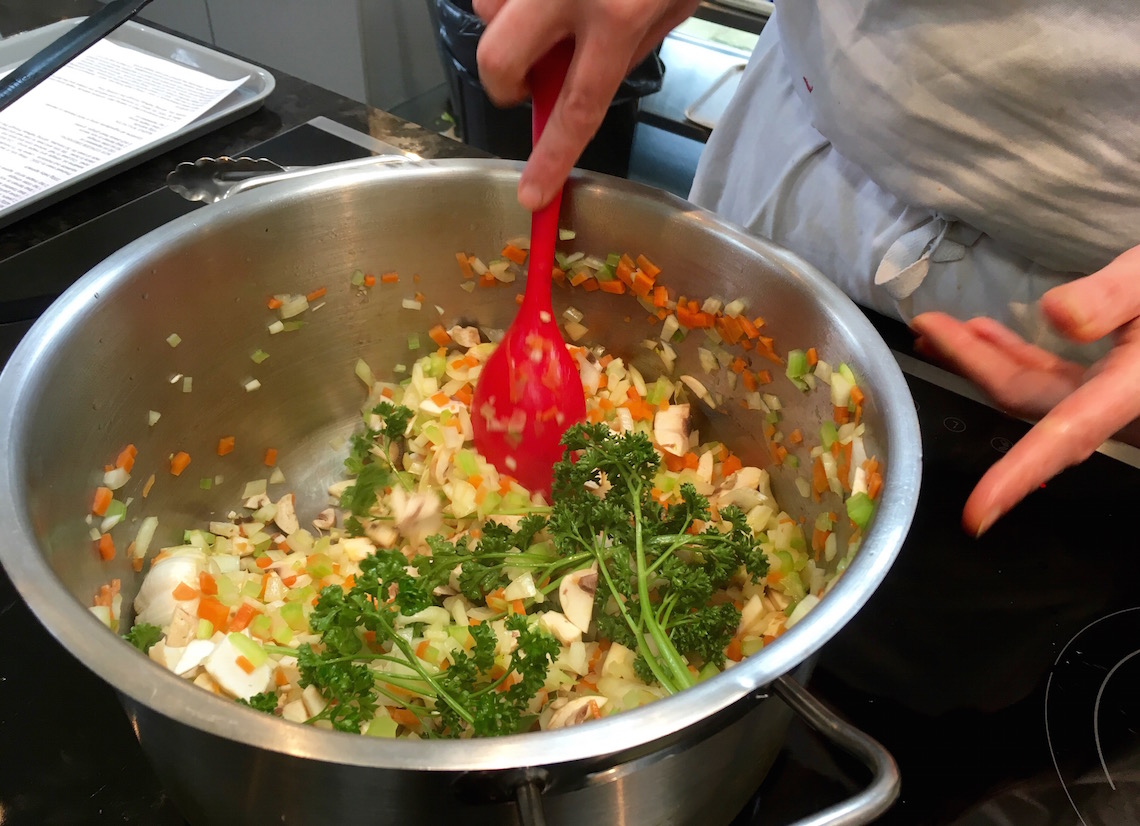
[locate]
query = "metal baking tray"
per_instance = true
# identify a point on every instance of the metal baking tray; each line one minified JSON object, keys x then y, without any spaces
{"x":247,"y":97}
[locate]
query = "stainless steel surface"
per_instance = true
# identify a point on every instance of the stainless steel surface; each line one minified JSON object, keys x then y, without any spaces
{"x":884,"y":788}
{"x":210,"y":179}
{"x":81,"y":383}
{"x":214,"y":179}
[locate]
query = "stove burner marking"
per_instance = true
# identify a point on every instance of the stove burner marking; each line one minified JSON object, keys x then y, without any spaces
{"x":1096,"y":716}
{"x":1096,"y":730}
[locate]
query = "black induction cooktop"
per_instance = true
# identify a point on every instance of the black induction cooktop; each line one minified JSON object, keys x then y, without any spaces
{"x":1001,"y":674}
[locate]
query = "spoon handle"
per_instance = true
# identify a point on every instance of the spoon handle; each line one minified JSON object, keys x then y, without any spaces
{"x":546,"y":82}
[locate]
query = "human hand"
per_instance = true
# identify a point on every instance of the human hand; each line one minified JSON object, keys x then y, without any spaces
{"x":1077,"y":407}
{"x":610,"y":38}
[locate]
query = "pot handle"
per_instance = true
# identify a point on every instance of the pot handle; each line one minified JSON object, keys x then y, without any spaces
{"x":528,"y":801}
{"x":213,"y":179}
{"x":873,"y":800}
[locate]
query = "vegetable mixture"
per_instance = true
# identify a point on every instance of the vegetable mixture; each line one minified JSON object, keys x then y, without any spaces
{"x":435,"y":597}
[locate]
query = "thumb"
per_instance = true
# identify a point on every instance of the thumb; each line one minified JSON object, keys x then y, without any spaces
{"x":1089,"y":308}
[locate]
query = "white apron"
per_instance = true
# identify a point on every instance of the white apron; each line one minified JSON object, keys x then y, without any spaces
{"x":767,"y":168}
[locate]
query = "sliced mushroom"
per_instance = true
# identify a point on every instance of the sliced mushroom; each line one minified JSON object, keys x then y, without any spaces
{"x":671,"y":429}
{"x":286,"y":516}
{"x":563,"y":630}
{"x":183,"y":628}
{"x":416,"y":514}
{"x":576,"y":596}
{"x":577,"y":711}
{"x":257,"y":502}
{"x":464,"y":336}
{"x":325,"y":519}
{"x":337,"y":489}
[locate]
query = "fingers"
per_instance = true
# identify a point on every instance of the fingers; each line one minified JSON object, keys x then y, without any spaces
{"x":657,"y":32}
{"x":1066,"y":436}
{"x":1090,"y":308}
{"x":487,"y":9}
{"x":521,"y":32}
{"x":591,"y":83}
{"x":1020,"y":380}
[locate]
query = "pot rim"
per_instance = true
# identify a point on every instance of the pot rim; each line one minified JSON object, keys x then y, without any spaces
{"x":145,"y":682}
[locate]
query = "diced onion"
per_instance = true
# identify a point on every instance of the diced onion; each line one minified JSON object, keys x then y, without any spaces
{"x":174,"y":339}
{"x":251,"y":385}
{"x":573,"y":314}
{"x":152,"y":417}
{"x":410,"y":304}
{"x":115,"y":478}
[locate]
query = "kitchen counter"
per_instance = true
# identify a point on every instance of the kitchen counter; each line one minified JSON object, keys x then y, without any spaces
{"x":292,"y":102}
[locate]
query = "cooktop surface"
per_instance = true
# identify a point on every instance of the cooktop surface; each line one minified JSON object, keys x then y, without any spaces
{"x":1001,"y":674}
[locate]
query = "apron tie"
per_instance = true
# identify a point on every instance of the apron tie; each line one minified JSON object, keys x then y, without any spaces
{"x":907,"y":262}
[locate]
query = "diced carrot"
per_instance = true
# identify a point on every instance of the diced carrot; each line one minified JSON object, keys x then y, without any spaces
{"x":440,"y":399}
{"x":624,"y":270}
{"x":244,"y":664}
{"x":558,"y":276}
{"x":613,"y":286}
{"x":279,"y":677}
{"x":590,"y":285}
{"x":734,"y":651}
{"x":270,"y":456}
{"x":487,"y":280}
{"x":106,"y":547}
{"x":464,"y":265}
{"x":183,"y":592}
{"x":764,"y":376}
{"x":749,"y":380}
{"x":818,"y":477}
{"x":390,"y":278}
{"x":207,"y":584}
{"x":857,"y":396}
{"x":243,"y":617}
{"x":137,"y":564}
{"x":403,"y":717}
{"x":517,"y":606}
{"x":648,"y":267}
{"x":439,"y":335}
{"x":178,"y":462}
{"x":642,"y":284}
{"x":842,"y":414}
{"x":739,"y":365}
{"x":420,"y":297}
{"x":812,"y":357}
{"x":660,"y":296}
{"x":796,"y":436}
{"x":103,"y":497}
{"x":225,"y":445}
{"x":874,"y":484}
{"x":319,"y":292}
{"x":730,"y":465}
{"x":513,"y":253}
{"x":674,"y":464}
{"x":475,"y":480}
{"x":692,"y":461}
{"x":421,"y":649}
{"x":149,"y":484}
{"x":747,"y":327}
{"x":274,"y":303}
{"x":369,"y":280}
{"x":263,"y":561}
{"x":126,"y":458}
{"x":464,"y":395}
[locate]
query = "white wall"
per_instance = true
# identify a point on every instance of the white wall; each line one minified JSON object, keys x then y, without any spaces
{"x":378,"y":51}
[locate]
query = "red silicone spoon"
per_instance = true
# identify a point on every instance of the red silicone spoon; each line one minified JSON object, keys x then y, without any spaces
{"x":530,"y":391}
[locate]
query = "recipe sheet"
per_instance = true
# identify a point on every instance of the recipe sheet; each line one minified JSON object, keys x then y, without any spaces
{"x":101,"y":106}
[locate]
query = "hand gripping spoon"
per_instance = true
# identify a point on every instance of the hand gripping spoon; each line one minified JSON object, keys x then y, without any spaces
{"x":529,"y":391}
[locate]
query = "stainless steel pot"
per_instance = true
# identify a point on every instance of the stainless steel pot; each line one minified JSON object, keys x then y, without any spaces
{"x":81,"y":383}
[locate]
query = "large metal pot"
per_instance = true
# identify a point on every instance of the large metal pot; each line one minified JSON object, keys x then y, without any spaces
{"x":82,"y":381}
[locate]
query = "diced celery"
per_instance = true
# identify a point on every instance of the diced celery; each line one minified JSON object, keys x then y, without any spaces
{"x":436,"y":366}
{"x":773,"y":417}
{"x":566,"y":234}
{"x":797,"y":364}
{"x":860,"y":507}
{"x":259,"y":356}
{"x":846,"y":372}
{"x":750,"y":645}
{"x":357,"y":279}
{"x":709,"y":671}
{"x":792,"y":461}
{"x":414,"y":341}
{"x":605,"y":274}
{"x":300,"y":595}
{"x":206,"y":482}
{"x":828,"y":433}
{"x":228,"y":594}
{"x":294,"y":615}
{"x":465,"y":460}
{"x":280,"y":631}
{"x":381,"y":726}
{"x":251,"y":589}
{"x":613,"y":259}
{"x":205,"y":630}
{"x":248,"y":649}
{"x":460,"y":634}
{"x":491,"y":503}
{"x":319,"y":566}
{"x":259,"y":626}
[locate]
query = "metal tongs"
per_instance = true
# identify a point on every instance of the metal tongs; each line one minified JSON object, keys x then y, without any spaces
{"x":46,"y":62}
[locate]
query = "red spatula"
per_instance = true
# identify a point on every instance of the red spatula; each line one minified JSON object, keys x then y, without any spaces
{"x":530,"y":392}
